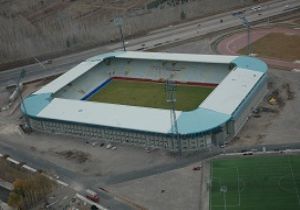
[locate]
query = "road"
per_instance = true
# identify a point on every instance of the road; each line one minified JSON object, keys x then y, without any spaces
{"x":76,"y":181}
{"x":4,"y":193}
{"x":79,"y":182}
{"x":153,"y":39}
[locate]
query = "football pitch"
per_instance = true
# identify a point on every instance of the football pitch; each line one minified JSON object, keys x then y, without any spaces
{"x":150,"y":94}
{"x":260,"y":183}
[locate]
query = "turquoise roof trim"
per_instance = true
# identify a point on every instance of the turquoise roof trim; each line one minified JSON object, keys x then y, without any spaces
{"x":200,"y":120}
{"x":101,"y":57}
{"x":34,"y":104}
{"x":250,"y":63}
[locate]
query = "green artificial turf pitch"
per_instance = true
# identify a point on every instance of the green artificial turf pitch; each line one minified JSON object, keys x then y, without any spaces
{"x":150,"y":94}
{"x":260,"y":183}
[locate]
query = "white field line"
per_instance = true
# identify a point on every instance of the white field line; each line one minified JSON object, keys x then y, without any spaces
{"x":260,"y":152}
{"x":233,"y":205}
{"x":295,"y":184}
{"x":238,"y":183}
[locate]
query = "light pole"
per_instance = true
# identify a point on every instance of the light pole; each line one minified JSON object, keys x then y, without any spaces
{"x":246,"y":23}
{"x":170,"y":89}
{"x":223,"y":190}
{"x":118,"y":21}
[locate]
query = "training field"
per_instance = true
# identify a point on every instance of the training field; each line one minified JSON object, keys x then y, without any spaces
{"x":150,"y":94}
{"x":260,"y":183}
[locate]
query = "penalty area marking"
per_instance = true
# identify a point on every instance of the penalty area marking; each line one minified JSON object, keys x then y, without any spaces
{"x":238,"y":189}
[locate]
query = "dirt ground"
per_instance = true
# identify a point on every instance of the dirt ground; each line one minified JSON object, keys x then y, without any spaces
{"x":177,"y":189}
{"x":98,"y":161}
{"x":276,"y":45}
{"x":283,"y":125}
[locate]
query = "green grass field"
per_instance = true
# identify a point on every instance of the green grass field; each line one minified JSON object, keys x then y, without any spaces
{"x":260,"y":183}
{"x":150,"y":94}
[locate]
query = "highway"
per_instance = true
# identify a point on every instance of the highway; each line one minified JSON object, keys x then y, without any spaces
{"x":153,"y":39}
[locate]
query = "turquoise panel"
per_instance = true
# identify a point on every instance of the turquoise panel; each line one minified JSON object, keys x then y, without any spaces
{"x":200,"y":120}
{"x":34,"y":104}
{"x":250,"y":63}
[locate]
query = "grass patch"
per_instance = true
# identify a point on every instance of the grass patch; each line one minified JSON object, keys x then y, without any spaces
{"x":10,"y":172}
{"x":276,"y":45}
{"x":150,"y":94}
{"x":265,"y":182}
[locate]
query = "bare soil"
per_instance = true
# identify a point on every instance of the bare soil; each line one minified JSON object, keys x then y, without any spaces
{"x":276,"y":45}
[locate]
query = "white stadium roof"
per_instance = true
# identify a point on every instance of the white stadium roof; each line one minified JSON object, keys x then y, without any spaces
{"x":68,"y":77}
{"x":139,"y":118}
{"x":227,"y":96}
{"x":215,"y":110}
{"x":178,"y":57}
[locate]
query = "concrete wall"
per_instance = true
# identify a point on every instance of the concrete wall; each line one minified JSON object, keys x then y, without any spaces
{"x":189,"y":143}
{"x":241,"y":116}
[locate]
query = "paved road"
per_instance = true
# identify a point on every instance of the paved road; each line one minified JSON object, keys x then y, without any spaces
{"x":80,"y":182}
{"x":77,"y":181}
{"x":157,"y":38}
{"x":4,"y":193}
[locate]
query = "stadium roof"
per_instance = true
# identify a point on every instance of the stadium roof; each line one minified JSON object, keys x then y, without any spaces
{"x":216,"y":110}
{"x":112,"y":114}
{"x":68,"y":77}
{"x":91,"y":62}
{"x":228,"y":95}
{"x":170,"y":57}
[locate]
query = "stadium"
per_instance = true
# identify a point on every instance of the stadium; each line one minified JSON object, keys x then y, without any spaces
{"x":124,"y":97}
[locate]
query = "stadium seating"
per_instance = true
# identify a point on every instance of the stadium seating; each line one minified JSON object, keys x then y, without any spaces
{"x":141,"y":69}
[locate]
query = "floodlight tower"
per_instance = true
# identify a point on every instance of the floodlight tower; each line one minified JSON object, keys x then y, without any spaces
{"x":247,"y":25}
{"x":21,"y":76}
{"x":171,"y":99}
{"x":118,"y":21}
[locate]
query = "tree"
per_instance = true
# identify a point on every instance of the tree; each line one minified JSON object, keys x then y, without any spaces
{"x":15,"y":200}
{"x":29,"y":192}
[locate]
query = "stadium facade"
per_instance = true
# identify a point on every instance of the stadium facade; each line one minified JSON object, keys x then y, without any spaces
{"x":61,"y":107}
